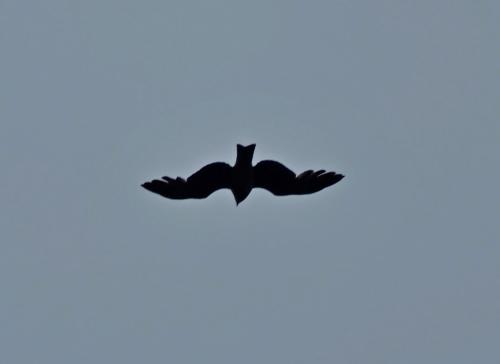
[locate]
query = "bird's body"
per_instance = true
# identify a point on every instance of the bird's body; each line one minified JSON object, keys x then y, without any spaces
{"x":242,"y":178}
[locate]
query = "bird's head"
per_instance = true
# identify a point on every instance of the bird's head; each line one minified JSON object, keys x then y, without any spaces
{"x":244,"y":154}
{"x":247,"y":147}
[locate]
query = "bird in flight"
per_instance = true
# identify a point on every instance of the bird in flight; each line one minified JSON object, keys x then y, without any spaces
{"x":242,"y":177}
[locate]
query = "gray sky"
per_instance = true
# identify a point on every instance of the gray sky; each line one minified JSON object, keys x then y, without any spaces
{"x":398,"y":263}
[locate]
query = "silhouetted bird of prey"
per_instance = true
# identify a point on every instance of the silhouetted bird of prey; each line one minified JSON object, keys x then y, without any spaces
{"x":242,"y":177}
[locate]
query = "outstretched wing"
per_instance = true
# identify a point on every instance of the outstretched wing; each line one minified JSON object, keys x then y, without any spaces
{"x":201,"y":184}
{"x":279,"y":180}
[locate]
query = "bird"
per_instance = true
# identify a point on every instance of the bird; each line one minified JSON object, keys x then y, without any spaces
{"x":242,"y":178}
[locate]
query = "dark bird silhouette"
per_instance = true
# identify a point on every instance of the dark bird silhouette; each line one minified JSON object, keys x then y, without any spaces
{"x":242,"y":177}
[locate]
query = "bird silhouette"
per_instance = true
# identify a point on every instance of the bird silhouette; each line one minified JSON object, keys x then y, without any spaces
{"x":242,"y":177}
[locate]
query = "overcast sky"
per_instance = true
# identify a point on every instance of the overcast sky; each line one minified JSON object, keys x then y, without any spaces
{"x":397,"y":263}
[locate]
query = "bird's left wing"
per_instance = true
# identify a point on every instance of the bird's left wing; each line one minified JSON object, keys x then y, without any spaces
{"x":201,"y":184}
{"x":279,"y":180}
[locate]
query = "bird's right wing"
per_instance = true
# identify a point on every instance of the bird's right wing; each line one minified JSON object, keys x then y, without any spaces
{"x":279,"y":180}
{"x":201,"y":184}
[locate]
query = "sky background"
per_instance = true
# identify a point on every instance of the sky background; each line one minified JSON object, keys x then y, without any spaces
{"x":398,"y":263}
